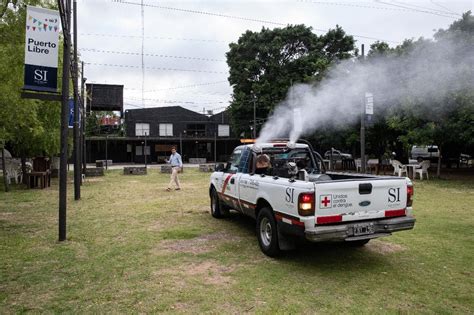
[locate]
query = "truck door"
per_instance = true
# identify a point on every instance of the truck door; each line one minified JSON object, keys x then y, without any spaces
{"x":229,"y":192}
{"x":248,"y":185}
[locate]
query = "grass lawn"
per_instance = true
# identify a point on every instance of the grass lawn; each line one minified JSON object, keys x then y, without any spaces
{"x":132,"y":247}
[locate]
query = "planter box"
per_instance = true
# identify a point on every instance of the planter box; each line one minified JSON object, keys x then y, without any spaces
{"x":101,"y":163}
{"x":94,"y":171}
{"x":134,"y":170}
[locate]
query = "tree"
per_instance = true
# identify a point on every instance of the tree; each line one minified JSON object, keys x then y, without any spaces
{"x":30,"y":127}
{"x":263,"y":65}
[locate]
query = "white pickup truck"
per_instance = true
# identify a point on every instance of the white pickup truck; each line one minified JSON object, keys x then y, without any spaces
{"x":296,"y":197}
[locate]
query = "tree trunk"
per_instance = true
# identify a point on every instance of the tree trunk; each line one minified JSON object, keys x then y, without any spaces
{"x":4,"y":169}
{"x":438,"y":170}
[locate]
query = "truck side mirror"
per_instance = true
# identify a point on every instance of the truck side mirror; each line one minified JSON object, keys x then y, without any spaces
{"x":219,"y":167}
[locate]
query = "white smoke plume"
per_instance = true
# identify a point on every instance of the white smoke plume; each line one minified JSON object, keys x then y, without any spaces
{"x":423,"y":76}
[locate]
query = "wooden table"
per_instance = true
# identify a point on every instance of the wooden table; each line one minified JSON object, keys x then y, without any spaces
{"x":39,"y":179}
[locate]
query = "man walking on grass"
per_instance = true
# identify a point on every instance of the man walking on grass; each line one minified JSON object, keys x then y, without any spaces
{"x":176,"y":165}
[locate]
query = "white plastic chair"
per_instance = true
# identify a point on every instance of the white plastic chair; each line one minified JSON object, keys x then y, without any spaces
{"x":399,"y":168}
{"x":358,"y":163}
{"x":13,"y":173}
{"x":424,"y":166}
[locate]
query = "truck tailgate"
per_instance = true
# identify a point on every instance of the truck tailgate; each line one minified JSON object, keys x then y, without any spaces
{"x":364,"y":199}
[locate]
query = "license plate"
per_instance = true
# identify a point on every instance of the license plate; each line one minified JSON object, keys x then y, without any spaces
{"x":364,"y":229}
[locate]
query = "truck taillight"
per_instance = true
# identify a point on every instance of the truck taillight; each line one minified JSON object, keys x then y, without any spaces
{"x":410,"y":192}
{"x":306,"y":204}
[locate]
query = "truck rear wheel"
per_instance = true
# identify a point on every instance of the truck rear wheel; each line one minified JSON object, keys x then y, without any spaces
{"x":217,"y":209}
{"x":267,"y":233}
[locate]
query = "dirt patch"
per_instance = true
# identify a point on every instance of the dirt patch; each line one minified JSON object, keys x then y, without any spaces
{"x":206,"y":272}
{"x":202,"y":244}
{"x":94,"y":179}
{"x":384,"y":247}
{"x":158,"y":225}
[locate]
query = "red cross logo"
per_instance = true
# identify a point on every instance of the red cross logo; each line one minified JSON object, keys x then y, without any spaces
{"x":325,"y":201}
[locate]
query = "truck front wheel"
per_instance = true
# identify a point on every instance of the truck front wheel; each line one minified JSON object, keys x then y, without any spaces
{"x":267,"y":233}
{"x":217,"y":209}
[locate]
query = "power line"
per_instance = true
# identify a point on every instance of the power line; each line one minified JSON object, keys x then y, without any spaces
{"x":153,"y":68}
{"x":182,"y":86}
{"x":446,"y":8}
{"x":237,"y":18}
{"x":149,"y":54}
{"x":177,"y":101}
{"x":415,"y":10}
{"x":364,"y":6}
{"x":201,"y":12}
{"x":156,"y":37}
{"x":424,"y":8}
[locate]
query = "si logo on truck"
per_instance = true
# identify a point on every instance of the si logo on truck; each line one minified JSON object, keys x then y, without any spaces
{"x":394,"y":195}
{"x":290,"y":195}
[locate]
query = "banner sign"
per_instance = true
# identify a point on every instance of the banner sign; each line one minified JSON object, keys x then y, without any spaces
{"x":369,"y":103}
{"x":41,"y":49}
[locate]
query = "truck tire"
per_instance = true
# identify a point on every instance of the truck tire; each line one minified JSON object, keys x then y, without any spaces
{"x":267,"y":233}
{"x":217,"y":209}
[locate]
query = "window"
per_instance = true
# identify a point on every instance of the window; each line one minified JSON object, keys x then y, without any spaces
{"x":223,"y":130}
{"x":196,"y":130}
{"x":166,"y":130}
{"x":139,"y":150}
{"x":234,"y":161}
{"x":142,"y":129}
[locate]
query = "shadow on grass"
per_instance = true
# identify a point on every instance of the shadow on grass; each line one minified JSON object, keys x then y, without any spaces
{"x":324,"y":255}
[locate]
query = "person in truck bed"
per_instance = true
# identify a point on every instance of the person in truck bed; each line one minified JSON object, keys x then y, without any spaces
{"x":262,"y":164}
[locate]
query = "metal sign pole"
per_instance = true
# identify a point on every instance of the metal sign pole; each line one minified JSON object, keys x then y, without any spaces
{"x":66,"y":17}
{"x":77,"y":145}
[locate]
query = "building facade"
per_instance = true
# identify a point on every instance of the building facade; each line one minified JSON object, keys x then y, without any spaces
{"x":151,"y":132}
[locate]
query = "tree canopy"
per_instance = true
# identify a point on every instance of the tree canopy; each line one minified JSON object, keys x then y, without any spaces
{"x":263,"y":65}
{"x":30,"y":127}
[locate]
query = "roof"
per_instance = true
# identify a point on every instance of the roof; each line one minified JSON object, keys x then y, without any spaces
{"x":171,"y":113}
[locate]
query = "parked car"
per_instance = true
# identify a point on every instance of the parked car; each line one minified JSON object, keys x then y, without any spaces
{"x":425,"y":152}
{"x":337,"y":155}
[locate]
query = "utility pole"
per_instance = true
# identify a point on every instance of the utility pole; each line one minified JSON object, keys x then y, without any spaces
{"x":83,"y":121}
{"x":77,"y":144}
{"x":65,"y":9}
{"x":362,"y":129}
